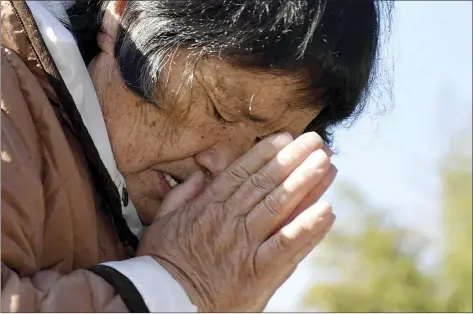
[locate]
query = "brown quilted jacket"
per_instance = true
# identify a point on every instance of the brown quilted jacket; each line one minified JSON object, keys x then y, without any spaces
{"x":60,"y":212}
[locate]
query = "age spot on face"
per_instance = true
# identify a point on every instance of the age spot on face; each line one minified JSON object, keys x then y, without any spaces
{"x":139,"y":103}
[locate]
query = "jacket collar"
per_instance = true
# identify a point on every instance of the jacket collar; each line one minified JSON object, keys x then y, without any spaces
{"x":49,"y":16}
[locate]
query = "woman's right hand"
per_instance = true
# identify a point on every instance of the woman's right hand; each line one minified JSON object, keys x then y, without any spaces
{"x":233,"y":243}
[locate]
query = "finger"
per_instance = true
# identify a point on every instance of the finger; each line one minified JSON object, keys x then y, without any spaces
{"x":316,"y":193}
{"x":309,"y":227}
{"x":182,"y":194}
{"x":226,"y":183}
{"x":275,"y":172}
{"x":306,"y":249}
{"x":267,"y":217}
{"x":288,"y":268}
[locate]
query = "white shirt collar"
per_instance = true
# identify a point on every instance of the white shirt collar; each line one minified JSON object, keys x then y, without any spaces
{"x":65,"y":53}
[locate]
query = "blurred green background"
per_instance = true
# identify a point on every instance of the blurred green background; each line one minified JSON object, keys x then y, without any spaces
{"x":378,"y":263}
{"x":402,"y":241}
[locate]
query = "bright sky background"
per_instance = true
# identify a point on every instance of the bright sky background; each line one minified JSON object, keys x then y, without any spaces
{"x":392,"y":157}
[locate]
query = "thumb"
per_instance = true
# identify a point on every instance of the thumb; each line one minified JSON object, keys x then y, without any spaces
{"x":182,"y":194}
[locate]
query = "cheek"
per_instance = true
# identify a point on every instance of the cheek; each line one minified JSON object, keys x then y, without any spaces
{"x":164,"y":136}
{"x":194,"y":133}
{"x":137,"y":135}
{"x":142,"y":191}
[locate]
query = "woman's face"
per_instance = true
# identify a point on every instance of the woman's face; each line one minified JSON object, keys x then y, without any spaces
{"x":205,"y":125}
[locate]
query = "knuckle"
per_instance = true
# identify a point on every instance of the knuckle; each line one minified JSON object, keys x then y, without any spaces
{"x":262,"y":181}
{"x":214,"y":193}
{"x":304,"y":229}
{"x":272,"y":204}
{"x":238,"y":172}
{"x":282,"y":243}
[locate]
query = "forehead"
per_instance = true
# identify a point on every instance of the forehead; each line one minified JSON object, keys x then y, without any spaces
{"x":270,"y":101}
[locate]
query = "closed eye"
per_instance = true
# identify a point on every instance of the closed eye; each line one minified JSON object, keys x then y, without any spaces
{"x":254,"y":118}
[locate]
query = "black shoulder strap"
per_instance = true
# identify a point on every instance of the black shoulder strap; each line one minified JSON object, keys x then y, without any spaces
{"x":123,"y":286}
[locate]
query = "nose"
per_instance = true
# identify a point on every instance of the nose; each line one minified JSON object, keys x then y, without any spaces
{"x":216,"y":159}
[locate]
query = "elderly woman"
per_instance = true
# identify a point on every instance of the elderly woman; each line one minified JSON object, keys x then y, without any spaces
{"x":166,"y":158}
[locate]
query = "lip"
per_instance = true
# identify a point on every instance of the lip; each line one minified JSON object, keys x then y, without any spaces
{"x":164,"y":186}
{"x":178,"y":178}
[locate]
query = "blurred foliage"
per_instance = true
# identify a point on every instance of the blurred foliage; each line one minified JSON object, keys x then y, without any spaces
{"x":379,"y":266}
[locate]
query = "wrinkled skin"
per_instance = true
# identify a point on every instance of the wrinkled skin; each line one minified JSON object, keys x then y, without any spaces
{"x":233,"y":245}
{"x":185,"y":135}
{"x":249,"y":209}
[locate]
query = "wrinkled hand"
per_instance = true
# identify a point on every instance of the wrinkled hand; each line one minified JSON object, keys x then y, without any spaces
{"x":232,"y":244}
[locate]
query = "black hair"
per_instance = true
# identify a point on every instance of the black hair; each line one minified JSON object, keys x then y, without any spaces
{"x":332,"y":45}
{"x":85,"y":21}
